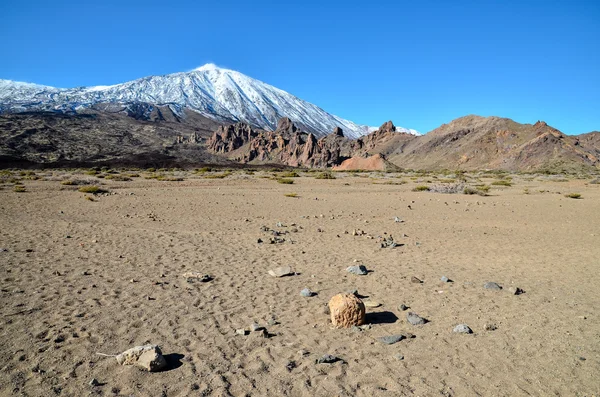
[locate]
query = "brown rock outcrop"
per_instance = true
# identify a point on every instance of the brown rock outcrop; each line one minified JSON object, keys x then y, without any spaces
{"x":231,"y":137}
{"x":346,"y":310}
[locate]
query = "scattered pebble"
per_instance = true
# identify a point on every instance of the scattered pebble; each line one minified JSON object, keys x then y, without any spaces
{"x":398,"y":356}
{"x":403,"y":307}
{"x":415,"y":280}
{"x":445,"y":279}
{"x":281,"y":271}
{"x":255,"y":327}
{"x":490,"y":327}
{"x":371,"y":303}
{"x":241,"y":331}
{"x":328,"y":359}
{"x":391,"y":339}
{"x":359,"y":270}
{"x":94,"y":382}
{"x":515,"y":290}
{"x":398,"y":220}
{"x":493,"y":286}
{"x":192,"y":277}
{"x":415,"y":319}
{"x":307,"y":293}
{"x":462,"y":329}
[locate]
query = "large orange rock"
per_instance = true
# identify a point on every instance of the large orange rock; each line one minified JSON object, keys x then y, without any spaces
{"x":346,"y":310}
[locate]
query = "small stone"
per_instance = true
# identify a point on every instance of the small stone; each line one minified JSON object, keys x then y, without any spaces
{"x":493,"y":286}
{"x":372,"y":304}
{"x":328,"y":359}
{"x":391,"y":339}
{"x":307,"y":293}
{"x":281,"y":271}
{"x":415,"y":319}
{"x":515,"y":290}
{"x":255,"y":327}
{"x":260,"y":333}
{"x":148,"y":357}
{"x":398,"y":220}
{"x":241,"y":331}
{"x":490,"y":327}
{"x":398,"y":356}
{"x":352,"y":292}
{"x":151,"y":361}
{"x":303,"y":352}
{"x":415,"y":280}
{"x":402,"y":307}
{"x":86,"y":273}
{"x":94,"y":382}
{"x":259,"y":241}
{"x":462,"y":329}
{"x":359,"y":270}
{"x":192,"y":277}
{"x":445,"y":279}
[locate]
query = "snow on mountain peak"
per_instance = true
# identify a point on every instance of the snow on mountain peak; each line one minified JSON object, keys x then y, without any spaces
{"x":221,"y":94}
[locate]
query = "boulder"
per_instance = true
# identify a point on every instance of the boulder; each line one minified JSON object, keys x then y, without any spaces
{"x":147,"y":357}
{"x":346,"y":310}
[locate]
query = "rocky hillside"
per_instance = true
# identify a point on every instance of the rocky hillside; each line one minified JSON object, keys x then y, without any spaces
{"x":139,"y":134}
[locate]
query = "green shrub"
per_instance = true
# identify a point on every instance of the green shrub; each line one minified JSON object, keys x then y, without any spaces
{"x":118,"y":177}
{"x":19,"y":189}
{"x":294,"y":195}
{"x":290,"y":174}
{"x":573,"y":195}
{"x":501,"y":182}
{"x":325,"y":175}
{"x":218,"y":176}
{"x":93,"y":189}
{"x":285,"y":181}
{"x":421,"y":188}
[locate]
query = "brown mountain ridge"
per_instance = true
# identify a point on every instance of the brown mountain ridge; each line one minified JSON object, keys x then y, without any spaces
{"x":147,"y":135}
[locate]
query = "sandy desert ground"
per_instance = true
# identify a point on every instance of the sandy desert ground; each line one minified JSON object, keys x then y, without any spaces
{"x":81,"y":277}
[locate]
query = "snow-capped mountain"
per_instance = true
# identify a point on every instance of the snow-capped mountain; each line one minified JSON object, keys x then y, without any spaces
{"x":217,"y":93}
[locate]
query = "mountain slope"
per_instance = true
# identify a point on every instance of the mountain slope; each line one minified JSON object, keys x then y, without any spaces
{"x":220,"y":94}
{"x":475,"y":142}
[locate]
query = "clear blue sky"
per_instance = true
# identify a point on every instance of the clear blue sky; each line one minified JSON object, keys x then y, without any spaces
{"x":418,"y":63}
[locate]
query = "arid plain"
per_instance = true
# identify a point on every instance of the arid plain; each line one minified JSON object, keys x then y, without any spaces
{"x":84,"y":273}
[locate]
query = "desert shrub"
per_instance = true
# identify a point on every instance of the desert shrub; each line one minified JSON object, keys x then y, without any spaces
{"x":294,"y":195}
{"x":89,"y":198}
{"x":67,"y":183}
{"x":19,"y":189}
{"x":92,"y":189}
{"x":166,"y":178}
{"x":573,"y":195}
{"x":290,"y":174}
{"x":447,"y":180}
{"x":483,"y":188}
{"x":421,"y":188}
{"x":285,"y":181}
{"x":118,"y":177}
{"x":202,"y":170}
{"x":526,"y":191}
{"x":325,"y":175}
{"x":447,"y":188}
{"x":501,"y":182}
{"x":218,"y":176}
{"x":134,"y":175}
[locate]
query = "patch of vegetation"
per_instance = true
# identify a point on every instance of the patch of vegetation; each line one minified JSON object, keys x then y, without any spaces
{"x":573,"y":195}
{"x":421,"y":188}
{"x":118,"y":177}
{"x":483,"y":188}
{"x":446,"y":180}
{"x":166,"y":178}
{"x":67,"y":183}
{"x":218,"y":176}
{"x":285,"y":181}
{"x":93,"y":189}
{"x":89,"y":198}
{"x":19,"y":189}
{"x":202,"y":170}
{"x":132,"y":175}
{"x":92,"y":172}
{"x":290,"y":174}
{"x":526,"y":191}
{"x":294,"y":195}
{"x":325,"y":175}
{"x":502,"y":182}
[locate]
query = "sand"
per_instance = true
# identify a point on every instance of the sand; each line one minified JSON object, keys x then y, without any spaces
{"x":105,"y":276}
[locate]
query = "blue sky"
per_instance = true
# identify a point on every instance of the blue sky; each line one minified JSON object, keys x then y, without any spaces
{"x":418,"y":63}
